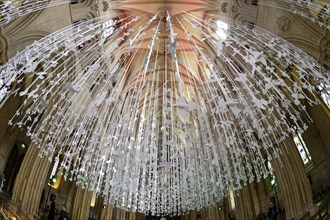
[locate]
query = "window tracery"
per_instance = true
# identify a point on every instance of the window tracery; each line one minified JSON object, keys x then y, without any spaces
{"x":301,"y":147}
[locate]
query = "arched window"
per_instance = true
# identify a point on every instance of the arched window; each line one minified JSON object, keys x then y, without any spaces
{"x":4,"y":89}
{"x":108,"y":28}
{"x":54,"y":169}
{"x":93,"y":201}
{"x":231,"y":199}
{"x":270,"y":170}
{"x":218,"y":34}
{"x":270,"y":180}
{"x":324,"y":91}
{"x":302,"y":149}
{"x":222,"y":28}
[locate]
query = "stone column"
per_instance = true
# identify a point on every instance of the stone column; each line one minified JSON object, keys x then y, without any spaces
{"x":131,"y":216}
{"x":211,"y":213}
{"x":30,"y":182}
{"x":255,"y":186}
{"x":8,"y":135}
{"x":244,"y":204}
{"x":204,"y":214}
{"x":293,"y":184}
{"x":120,"y":214}
{"x":107,"y":212}
{"x":189,"y":216}
{"x":6,"y":145}
{"x":110,"y":212}
{"x":140,"y":216}
{"x":215,"y":213}
{"x":81,"y":203}
{"x":318,"y":134}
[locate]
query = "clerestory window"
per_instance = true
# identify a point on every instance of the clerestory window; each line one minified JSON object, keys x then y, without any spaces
{"x":324,"y":91}
{"x":302,"y":149}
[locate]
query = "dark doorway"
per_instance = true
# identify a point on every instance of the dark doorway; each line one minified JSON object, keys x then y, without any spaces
{"x":13,"y":165}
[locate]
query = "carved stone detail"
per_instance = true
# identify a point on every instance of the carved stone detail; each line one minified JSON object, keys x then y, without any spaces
{"x":3,"y":49}
{"x":283,"y":23}
{"x":325,"y":51}
{"x":94,"y":8}
{"x":224,"y":7}
{"x":234,"y":9}
{"x":105,"y":6}
{"x":163,"y":10}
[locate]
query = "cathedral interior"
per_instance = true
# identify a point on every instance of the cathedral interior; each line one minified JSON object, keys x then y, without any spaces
{"x":164,"y":109}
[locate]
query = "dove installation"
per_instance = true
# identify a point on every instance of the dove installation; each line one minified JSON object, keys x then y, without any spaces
{"x":158,"y":113}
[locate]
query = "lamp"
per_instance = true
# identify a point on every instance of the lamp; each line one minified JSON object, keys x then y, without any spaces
{"x":52,"y":180}
{"x":156,"y":117}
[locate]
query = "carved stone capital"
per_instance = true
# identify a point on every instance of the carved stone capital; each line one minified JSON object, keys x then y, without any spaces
{"x":105,"y":6}
{"x":325,"y":51}
{"x":224,"y":7}
{"x":283,"y":23}
{"x":234,"y":9}
{"x":3,"y":50}
{"x":94,"y":8}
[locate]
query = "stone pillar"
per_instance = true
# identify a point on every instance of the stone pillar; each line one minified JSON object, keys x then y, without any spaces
{"x":321,"y":117}
{"x":204,"y":214}
{"x":293,"y":185}
{"x":131,"y":216}
{"x":30,"y":182}
{"x":244,"y":204}
{"x":140,"y":216}
{"x":80,"y":11}
{"x":3,"y":49}
{"x":215,"y":213}
{"x":81,"y":203}
{"x":110,"y":212}
{"x":189,"y":216}
{"x":6,"y":145}
{"x":120,"y":214}
{"x":255,"y":186}
{"x":211,"y":213}
{"x":8,"y":135}
{"x":107,"y":212}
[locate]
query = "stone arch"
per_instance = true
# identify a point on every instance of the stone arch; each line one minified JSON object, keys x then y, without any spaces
{"x":20,"y":23}
{"x":302,"y":43}
{"x":13,"y":165}
{"x":3,"y":49}
{"x":248,"y":24}
{"x":251,"y":2}
{"x":240,"y":3}
{"x":25,"y":40}
{"x":90,"y":15}
{"x":241,"y":16}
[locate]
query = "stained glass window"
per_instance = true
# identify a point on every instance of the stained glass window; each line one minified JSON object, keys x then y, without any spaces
{"x":302,"y":149}
{"x":324,"y":93}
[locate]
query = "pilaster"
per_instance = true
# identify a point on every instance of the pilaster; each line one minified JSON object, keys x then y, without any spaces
{"x":30,"y":181}
{"x":292,"y":182}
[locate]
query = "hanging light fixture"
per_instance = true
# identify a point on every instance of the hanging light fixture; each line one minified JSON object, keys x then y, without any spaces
{"x":157,"y":117}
